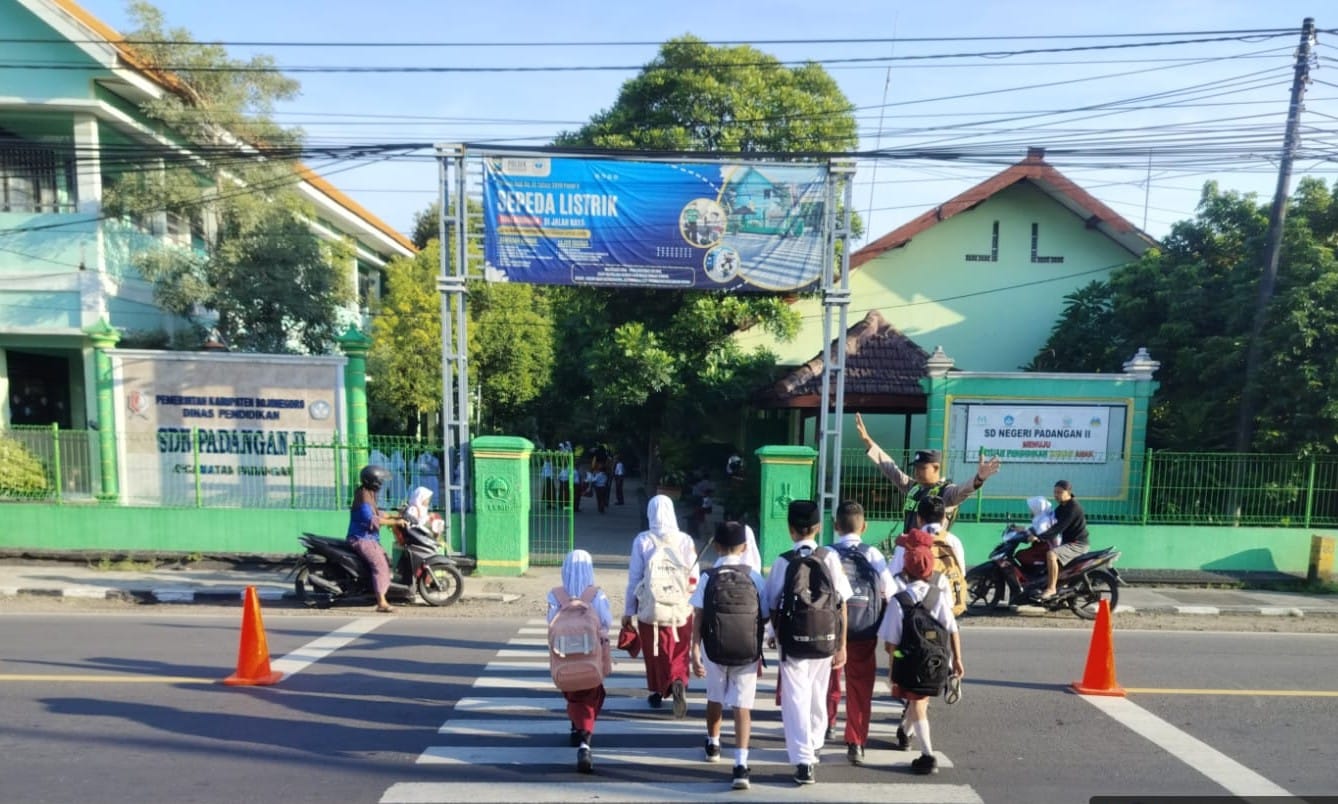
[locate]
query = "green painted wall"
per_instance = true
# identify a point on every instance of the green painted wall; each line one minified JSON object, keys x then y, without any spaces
{"x":995,"y":331}
{"x":170,"y":530}
{"x":20,"y":24}
{"x":1161,"y":547}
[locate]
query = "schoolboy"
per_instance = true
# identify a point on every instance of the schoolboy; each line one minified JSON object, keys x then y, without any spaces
{"x":861,"y":665}
{"x":803,"y":681}
{"x":916,"y":574}
{"x":732,"y":685}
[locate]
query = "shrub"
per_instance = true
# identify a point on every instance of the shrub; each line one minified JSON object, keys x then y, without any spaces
{"x":21,"y":473}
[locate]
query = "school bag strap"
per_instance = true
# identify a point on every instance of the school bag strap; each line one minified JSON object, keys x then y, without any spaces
{"x":928,"y":601}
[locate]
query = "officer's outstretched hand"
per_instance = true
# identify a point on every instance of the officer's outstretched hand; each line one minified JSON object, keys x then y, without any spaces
{"x":987,"y":469}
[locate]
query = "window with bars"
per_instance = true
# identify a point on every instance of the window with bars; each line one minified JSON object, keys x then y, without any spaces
{"x":34,"y":178}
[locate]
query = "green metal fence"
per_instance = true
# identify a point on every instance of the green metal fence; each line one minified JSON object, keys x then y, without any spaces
{"x":552,"y":518}
{"x":1152,"y":488}
{"x":1155,"y":488}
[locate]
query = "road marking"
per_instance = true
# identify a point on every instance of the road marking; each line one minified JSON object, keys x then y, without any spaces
{"x":319,"y":648}
{"x":101,"y":679}
{"x":621,"y":727}
{"x":1251,"y":693}
{"x":1218,"y":767}
{"x":648,"y":757}
{"x":554,"y":702}
{"x":548,"y":792}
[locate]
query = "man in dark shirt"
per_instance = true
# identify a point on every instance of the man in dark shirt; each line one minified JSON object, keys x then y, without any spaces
{"x":1071,"y":526}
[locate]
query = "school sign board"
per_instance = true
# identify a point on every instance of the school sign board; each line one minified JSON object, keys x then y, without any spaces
{"x":224,"y":430}
{"x":1044,"y":433}
{"x":737,"y":226}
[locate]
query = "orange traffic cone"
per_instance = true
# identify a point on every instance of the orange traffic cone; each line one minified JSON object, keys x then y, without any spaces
{"x":1099,"y":677}
{"x":253,"y":656}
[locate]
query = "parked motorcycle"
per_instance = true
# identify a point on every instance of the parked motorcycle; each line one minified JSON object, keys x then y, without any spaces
{"x":331,"y":570}
{"x":1017,"y":577}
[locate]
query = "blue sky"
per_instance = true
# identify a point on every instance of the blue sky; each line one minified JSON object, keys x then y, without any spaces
{"x":1243,"y":85}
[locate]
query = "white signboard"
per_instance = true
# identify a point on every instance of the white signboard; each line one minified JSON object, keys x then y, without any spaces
{"x":228,"y":429}
{"x":1041,"y":433}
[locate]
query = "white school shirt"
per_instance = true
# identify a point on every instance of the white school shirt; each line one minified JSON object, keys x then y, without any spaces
{"x":698,"y":599}
{"x":618,"y":470}
{"x":776,"y":580}
{"x":642,"y":547}
{"x":876,"y":560}
{"x":890,"y":630}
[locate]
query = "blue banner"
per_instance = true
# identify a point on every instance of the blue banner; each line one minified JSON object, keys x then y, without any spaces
{"x":692,"y":225}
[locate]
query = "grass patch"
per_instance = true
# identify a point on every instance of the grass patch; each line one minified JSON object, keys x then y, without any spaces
{"x":126,"y":564}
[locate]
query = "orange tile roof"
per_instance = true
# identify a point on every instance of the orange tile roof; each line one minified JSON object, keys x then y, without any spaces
{"x":174,"y":84}
{"x":1033,"y":168}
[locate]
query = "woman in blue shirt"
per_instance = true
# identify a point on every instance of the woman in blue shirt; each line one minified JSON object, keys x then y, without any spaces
{"x":364,"y":531}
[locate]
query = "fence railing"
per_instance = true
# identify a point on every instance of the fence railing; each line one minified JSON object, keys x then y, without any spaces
{"x":1153,"y":487}
{"x":1149,"y":488}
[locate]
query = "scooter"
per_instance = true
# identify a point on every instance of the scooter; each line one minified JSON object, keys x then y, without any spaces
{"x":331,"y":570}
{"x":1019,"y":576}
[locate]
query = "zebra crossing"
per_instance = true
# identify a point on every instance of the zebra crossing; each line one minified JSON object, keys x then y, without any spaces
{"x":513,"y":720}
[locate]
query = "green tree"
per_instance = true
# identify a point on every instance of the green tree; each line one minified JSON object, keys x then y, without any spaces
{"x":256,"y":271}
{"x":510,"y":341}
{"x":632,"y":364}
{"x":1191,"y":303}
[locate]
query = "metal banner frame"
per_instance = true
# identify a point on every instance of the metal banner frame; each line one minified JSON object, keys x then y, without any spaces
{"x":835,"y":290}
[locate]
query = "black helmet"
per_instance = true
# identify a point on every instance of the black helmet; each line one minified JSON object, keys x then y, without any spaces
{"x":374,"y":477}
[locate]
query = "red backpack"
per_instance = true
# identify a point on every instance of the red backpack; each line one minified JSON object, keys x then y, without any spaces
{"x":578,"y":649}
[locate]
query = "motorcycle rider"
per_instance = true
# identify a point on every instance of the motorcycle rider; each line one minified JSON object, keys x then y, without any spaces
{"x":925,"y":466}
{"x":1071,"y":528}
{"x":364,"y":531}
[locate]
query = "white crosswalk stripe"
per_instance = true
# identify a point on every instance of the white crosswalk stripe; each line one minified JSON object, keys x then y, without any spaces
{"x":516,"y":720}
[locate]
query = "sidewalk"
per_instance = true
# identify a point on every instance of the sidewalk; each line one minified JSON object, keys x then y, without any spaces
{"x":607,"y":537}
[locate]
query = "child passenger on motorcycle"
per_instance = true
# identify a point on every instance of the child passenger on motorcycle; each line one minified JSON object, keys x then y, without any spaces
{"x":364,"y":531}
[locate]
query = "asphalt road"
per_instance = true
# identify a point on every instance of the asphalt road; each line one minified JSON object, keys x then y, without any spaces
{"x":125,"y":707}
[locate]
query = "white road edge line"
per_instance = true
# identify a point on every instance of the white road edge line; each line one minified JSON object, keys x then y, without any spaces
{"x":1218,"y":767}
{"x":319,"y":648}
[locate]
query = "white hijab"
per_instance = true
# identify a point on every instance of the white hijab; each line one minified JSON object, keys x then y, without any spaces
{"x":1041,"y":515}
{"x":578,"y":572}
{"x":419,"y":505}
{"x":661,"y":516}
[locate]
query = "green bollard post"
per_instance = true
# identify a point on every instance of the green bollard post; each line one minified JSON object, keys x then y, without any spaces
{"x":502,"y":504}
{"x":787,"y":475}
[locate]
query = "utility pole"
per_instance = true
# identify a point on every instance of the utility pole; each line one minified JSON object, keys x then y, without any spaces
{"x":1277,"y":217}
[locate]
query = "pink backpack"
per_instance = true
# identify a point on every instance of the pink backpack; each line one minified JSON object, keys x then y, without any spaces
{"x":578,"y":649}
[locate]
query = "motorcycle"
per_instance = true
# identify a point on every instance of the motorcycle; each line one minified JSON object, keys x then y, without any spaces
{"x":1018,"y":577}
{"x":331,"y":570}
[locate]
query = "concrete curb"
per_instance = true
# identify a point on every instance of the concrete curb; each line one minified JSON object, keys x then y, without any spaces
{"x":180,"y":595}
{"x":1234,"y":611}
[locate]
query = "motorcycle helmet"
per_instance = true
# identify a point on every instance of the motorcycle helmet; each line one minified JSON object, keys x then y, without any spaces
{"x":374,"y":477}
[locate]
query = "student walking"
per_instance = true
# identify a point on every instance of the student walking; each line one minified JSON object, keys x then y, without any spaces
{"x":661,"y":576}
{"x":871,"y":587}
{"x":579,"y":619}
{"x":916,"y":631}
{"x":619,"y":475}
{"x":728,"y":613}
{"x":806,"y":593}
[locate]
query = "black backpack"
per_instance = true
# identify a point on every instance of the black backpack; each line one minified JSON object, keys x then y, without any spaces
{"x":923,"y":660}
{"x":866,"y":606}
{"x":731,"y":617}
{"x":808,"y":621}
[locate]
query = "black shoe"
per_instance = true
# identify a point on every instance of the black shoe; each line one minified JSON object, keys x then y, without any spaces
{"x":803,"y":774}
{"x":855,"y":753}
{"x":655,"y":699}
{"x":576,"y":736}
{"x":712,"y":751}
{"x":903,"y":742}
{"x":680,"y":696}
{"x":740,"y":777}
{"x":585,"y":763}
{"x":827,"y":735}
{"x":924,"y":765}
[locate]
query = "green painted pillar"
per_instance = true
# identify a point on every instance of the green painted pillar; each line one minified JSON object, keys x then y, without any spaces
{"x":355,"y":345}
{"x":937,"y":385}
{"x":502,"y":504}
{"x":787,"y":475}
{"x":104,"y":336}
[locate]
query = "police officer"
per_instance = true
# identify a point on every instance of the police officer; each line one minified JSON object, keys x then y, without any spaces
{"x":927,"y":481}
